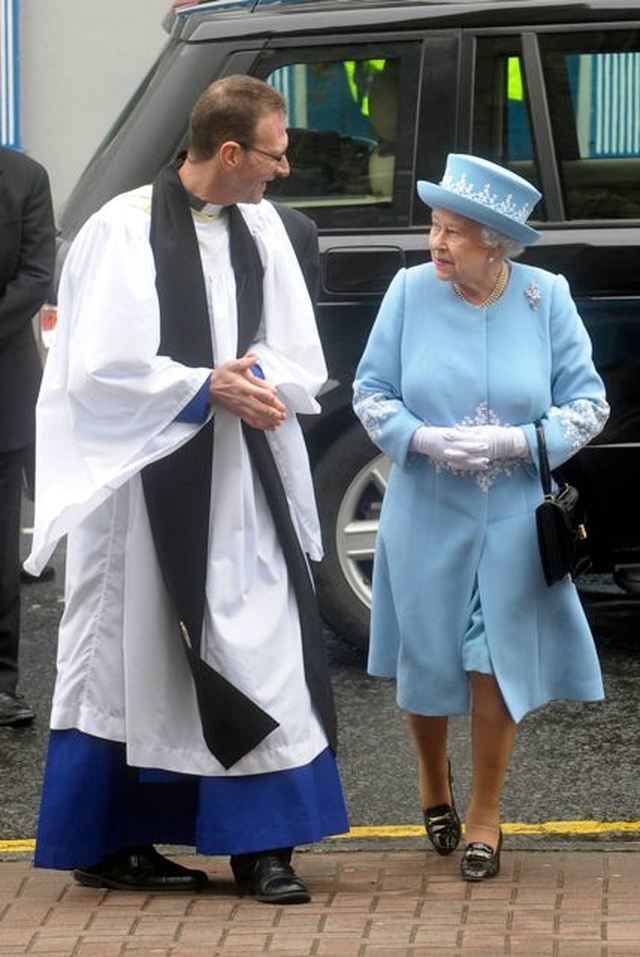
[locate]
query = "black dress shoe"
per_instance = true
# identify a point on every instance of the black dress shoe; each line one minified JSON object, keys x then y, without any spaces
{"x":271,"y":880}
{"x":140,"y":868}
{"x":14,"y":710}
{"x":443,"y":824}
{"x":480,"y":861}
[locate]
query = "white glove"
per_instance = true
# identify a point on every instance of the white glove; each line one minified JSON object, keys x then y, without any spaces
{"x":450,"y":446}
{"x":499,"y":441}
{"x":430,"y":440}
{"x":465,"y":452}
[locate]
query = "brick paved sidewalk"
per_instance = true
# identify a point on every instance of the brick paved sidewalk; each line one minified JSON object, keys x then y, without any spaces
{"x":390,"y":903}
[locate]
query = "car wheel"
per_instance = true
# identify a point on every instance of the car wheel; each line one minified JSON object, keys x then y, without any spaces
{"x":350,"y":481}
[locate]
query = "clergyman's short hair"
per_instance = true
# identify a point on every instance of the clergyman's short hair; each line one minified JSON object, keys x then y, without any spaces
{"x":229,"y":109}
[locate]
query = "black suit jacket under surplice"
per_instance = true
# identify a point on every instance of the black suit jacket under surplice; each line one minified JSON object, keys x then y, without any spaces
{"x":303,"y":235}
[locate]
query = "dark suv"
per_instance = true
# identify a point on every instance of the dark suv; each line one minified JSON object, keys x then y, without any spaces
{"x":379,"y":92}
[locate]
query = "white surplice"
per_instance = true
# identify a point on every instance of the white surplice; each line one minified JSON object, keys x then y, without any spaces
{"x":107,"y":408}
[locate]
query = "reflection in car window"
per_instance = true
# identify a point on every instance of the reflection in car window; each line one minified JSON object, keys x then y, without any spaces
{"x":592,"y":85}
{"x":502,"y":122}
{"x":517,"y":129}
{"x":594,"y":102}
{"x":342,"y":125}
{"x":352,"y":147}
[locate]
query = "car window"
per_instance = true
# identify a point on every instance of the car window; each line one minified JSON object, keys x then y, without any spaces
{"x":593,"y":91}
{"x":346,"y":148}
{"x":502,"y":127}
{"x":592,"y":87}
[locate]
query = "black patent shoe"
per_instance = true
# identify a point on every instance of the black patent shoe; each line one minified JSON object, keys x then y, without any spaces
{"x":140,"y":868}
{"x":443,"y":825}
{"x":272,"y":881}
{"x":480,"y":861}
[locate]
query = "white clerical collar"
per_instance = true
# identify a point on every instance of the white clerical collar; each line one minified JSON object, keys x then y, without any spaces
{"x":198,"y":205}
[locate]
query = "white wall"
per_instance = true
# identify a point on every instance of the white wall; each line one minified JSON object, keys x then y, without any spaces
{"x":80,"y":60}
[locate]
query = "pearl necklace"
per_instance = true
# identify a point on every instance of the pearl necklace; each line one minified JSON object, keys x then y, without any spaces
{"x":494,"y":295}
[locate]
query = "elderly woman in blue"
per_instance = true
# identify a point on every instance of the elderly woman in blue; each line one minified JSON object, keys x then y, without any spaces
{"x":466,"y":353}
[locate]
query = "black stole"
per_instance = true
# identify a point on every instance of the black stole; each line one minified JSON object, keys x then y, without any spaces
{"x":178,"y":505}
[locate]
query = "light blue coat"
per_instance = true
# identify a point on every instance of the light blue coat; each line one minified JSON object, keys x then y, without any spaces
{"x":447,"y":537}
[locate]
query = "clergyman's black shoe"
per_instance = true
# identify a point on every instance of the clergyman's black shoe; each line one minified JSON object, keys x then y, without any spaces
{"x":14,"y":710}
{"x":272,"y":881}
{"x":140,"y":868}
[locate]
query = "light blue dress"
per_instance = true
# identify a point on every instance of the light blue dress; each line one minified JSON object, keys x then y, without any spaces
{"x":457,"y":561}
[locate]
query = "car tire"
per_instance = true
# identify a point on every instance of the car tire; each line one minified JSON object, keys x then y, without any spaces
{"x":350,"y":480}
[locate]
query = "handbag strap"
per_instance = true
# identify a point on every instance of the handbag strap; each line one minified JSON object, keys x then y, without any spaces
{"x":543,"y":459}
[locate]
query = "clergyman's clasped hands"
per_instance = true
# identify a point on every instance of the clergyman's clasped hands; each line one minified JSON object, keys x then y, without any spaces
{"x":470,"y":448}
{"x":240,"y":387}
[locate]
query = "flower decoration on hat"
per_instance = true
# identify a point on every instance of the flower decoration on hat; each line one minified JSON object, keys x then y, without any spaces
{"x":487,"y":197}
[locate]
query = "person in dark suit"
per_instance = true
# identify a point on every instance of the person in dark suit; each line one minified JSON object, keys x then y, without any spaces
{"x":27,"y":251}
{"x":303,"y":234}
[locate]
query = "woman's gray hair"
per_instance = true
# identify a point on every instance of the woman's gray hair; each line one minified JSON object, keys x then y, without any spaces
{"x":491,"y":238}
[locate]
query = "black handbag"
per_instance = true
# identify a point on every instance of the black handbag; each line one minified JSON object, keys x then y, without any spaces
{"x":561,"y":524}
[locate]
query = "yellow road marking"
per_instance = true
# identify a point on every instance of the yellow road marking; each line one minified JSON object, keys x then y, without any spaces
{"x":546,"y":827}
{"x":579,"y":828}
{"x":16,"y":846}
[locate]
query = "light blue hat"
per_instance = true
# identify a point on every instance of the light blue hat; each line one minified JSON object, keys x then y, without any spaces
{"x":486,"y":193}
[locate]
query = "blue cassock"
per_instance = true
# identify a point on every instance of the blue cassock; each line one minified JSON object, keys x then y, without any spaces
{"x":457,"y":554}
